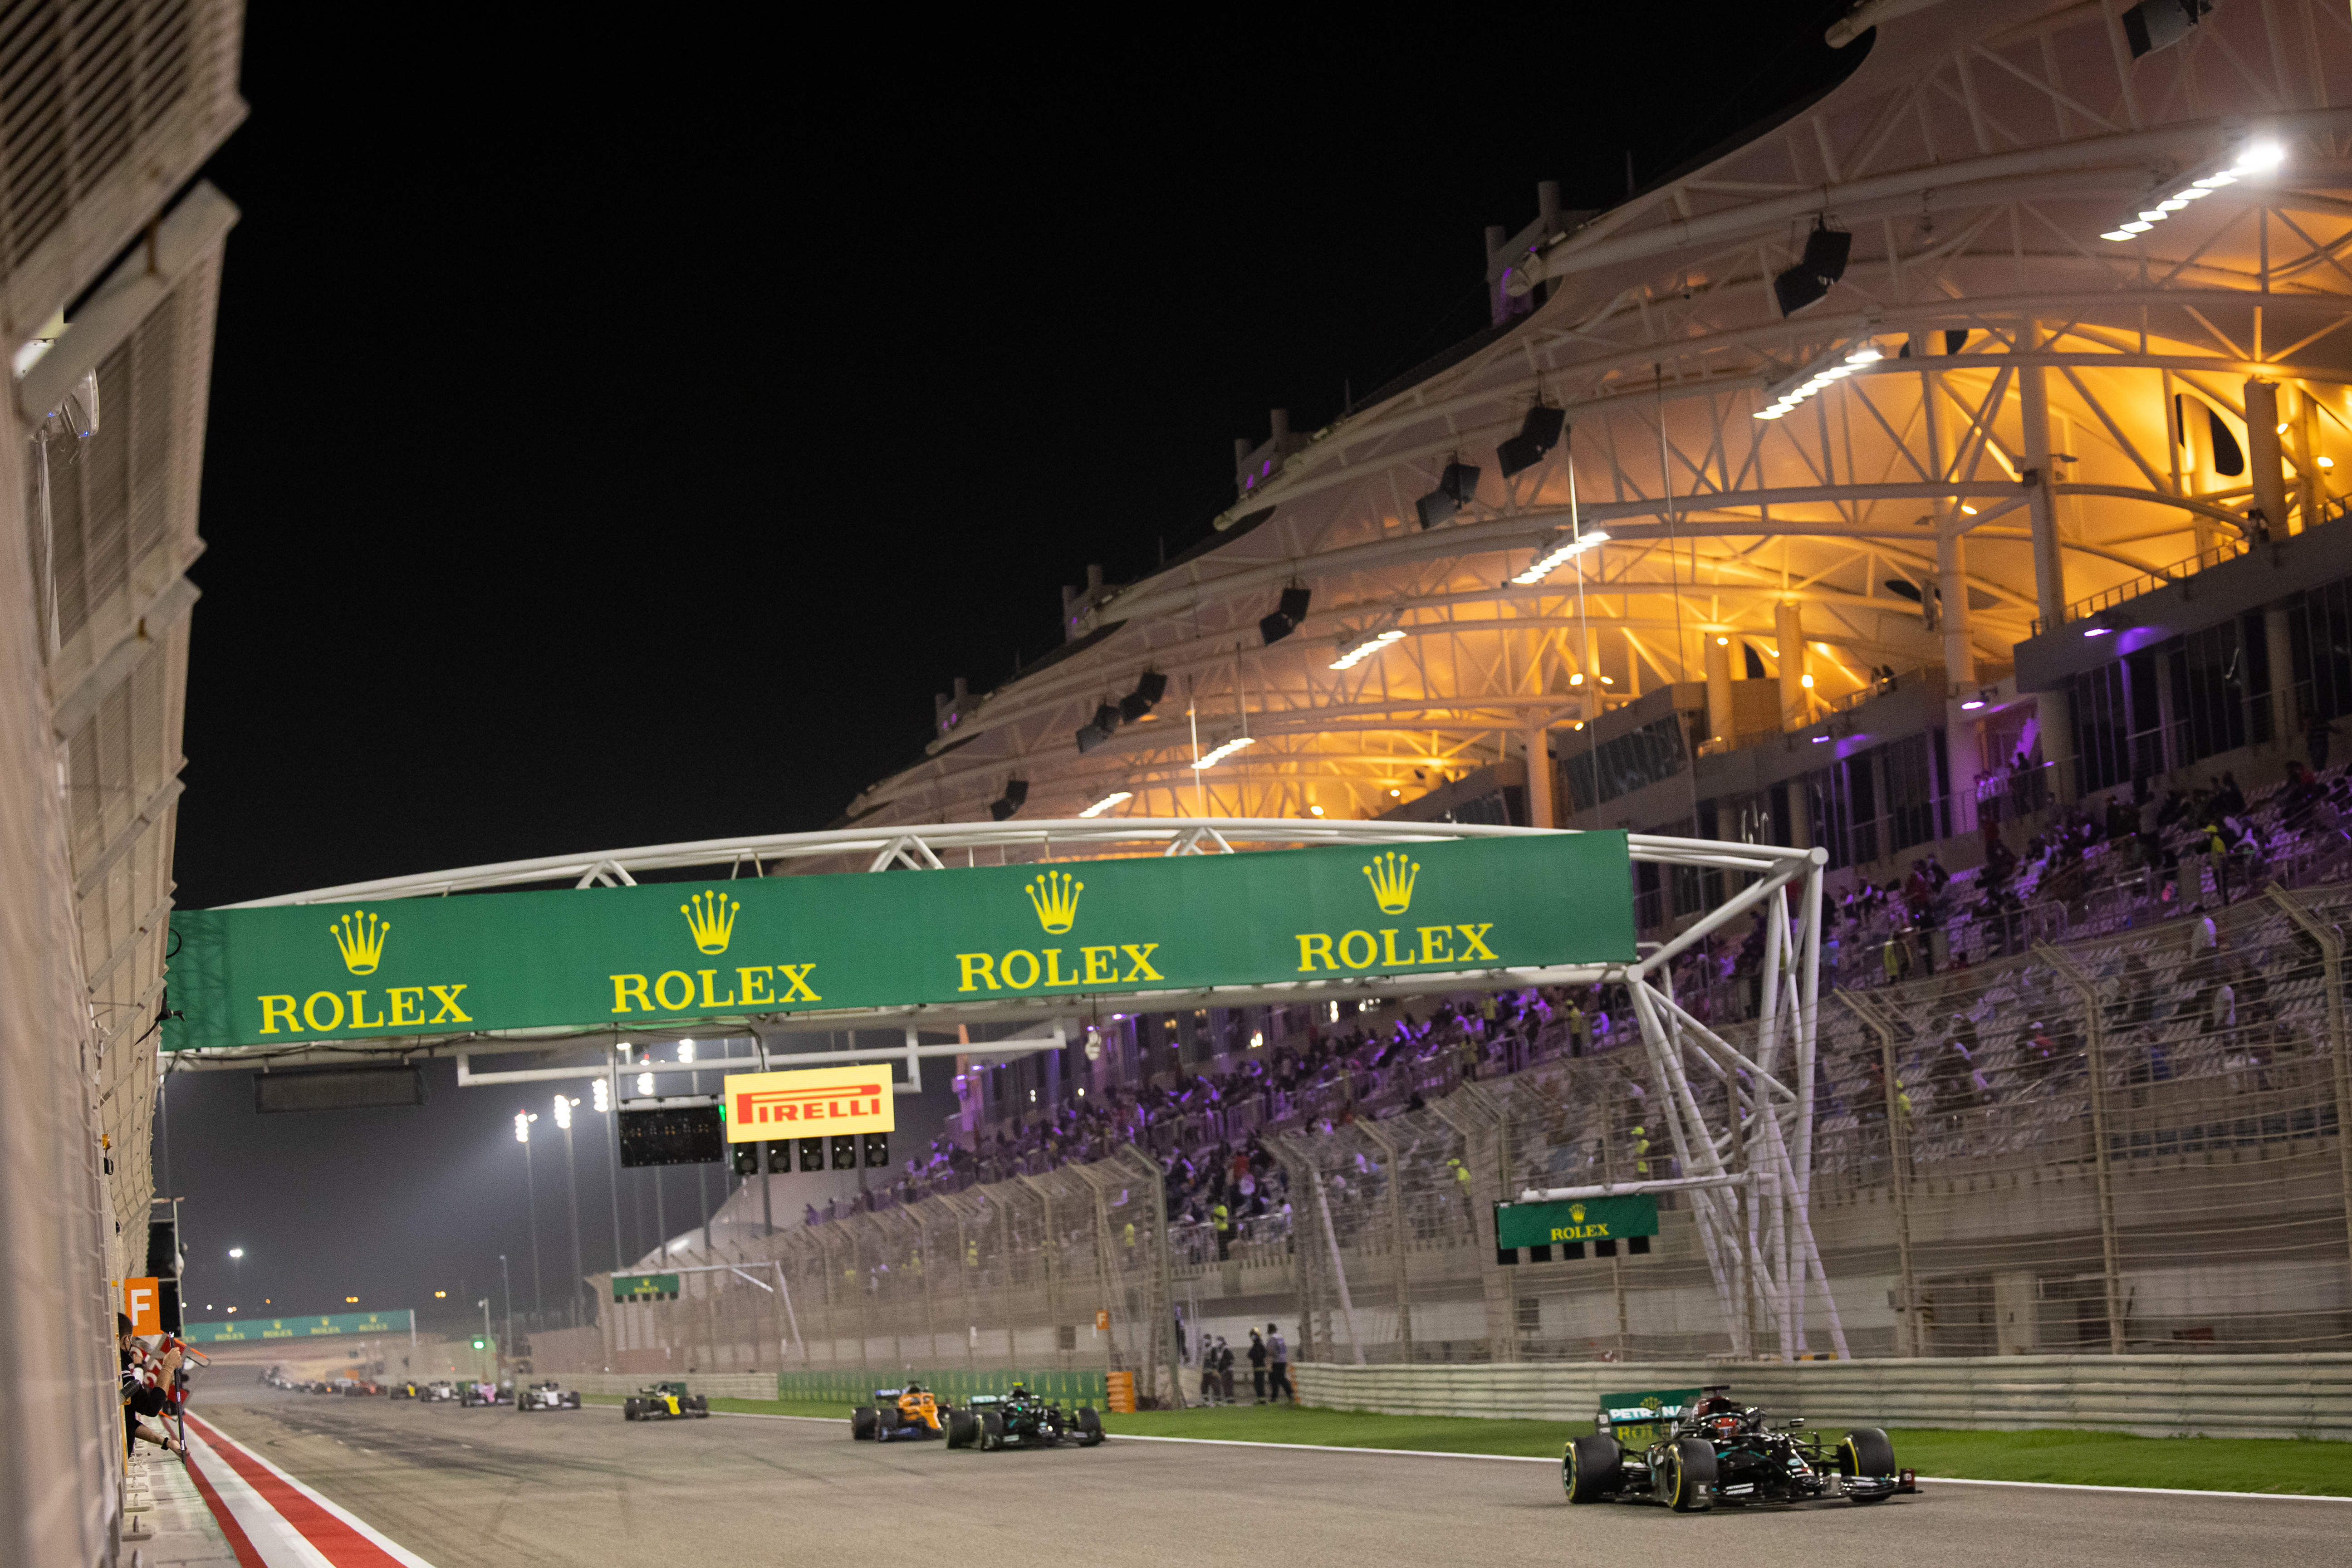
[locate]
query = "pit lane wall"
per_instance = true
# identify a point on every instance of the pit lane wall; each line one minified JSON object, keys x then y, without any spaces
{"x":2149,"y":1395}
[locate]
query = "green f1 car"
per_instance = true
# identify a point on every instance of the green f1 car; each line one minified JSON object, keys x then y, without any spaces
{"x":1019,"y":1419}
{"x":1694,"y":1449}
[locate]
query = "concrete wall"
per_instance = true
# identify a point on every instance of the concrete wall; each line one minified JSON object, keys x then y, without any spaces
{"x":2153,"y":1395}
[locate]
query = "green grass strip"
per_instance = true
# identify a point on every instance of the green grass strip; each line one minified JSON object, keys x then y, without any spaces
{"x":2066,"y":1458}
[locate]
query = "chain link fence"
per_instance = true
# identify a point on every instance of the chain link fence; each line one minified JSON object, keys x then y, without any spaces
{"x":2131,"y":1144}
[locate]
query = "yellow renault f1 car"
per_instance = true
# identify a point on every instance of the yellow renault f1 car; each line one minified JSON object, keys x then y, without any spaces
{"x":908,"y":1412}
{"x":664,"y":1402}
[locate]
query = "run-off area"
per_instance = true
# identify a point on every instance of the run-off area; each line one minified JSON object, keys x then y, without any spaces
{"x":460,"y":1488}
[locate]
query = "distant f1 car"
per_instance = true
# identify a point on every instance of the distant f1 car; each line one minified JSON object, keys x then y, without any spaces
{"x":434,"y":1392}
{"x":1019,"y":1419}
{"x":486,"y":1393}
{"x":664,"y":1402}
{"x":895,"y":1413}
{"x":545,"y":1396}
{"x":1715,"y":1450}
{"x":404,"y":1389}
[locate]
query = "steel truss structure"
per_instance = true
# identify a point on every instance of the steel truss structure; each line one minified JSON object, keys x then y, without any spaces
{"x":1739,"y":1115}
{"x":2051,"y":415}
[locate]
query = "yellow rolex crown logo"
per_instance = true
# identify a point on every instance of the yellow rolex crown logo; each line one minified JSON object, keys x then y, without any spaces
{"x":359,"y":936}
{"x":1392,"y":877}
{"x":1576,"y":1214}
{"x":1055,"y":897}
{"x":711,"y":918}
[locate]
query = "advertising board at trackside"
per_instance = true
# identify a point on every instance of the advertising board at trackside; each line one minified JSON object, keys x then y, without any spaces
{"x":635,"y":956}
{"x":326,"y":1325}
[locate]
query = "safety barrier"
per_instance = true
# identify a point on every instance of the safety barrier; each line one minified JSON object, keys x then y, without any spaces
{"x":711,"y":1385}
{"x":847,"y":1388}
{"x":2152,"y":1395}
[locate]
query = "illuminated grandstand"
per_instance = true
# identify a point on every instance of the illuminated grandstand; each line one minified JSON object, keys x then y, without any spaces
{"x":1791,"y":499}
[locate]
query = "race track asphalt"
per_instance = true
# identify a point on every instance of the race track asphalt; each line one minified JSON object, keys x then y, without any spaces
{"x":493,"y":1488}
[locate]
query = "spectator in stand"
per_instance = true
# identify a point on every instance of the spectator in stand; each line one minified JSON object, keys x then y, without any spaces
{"x":1277,"y":1381}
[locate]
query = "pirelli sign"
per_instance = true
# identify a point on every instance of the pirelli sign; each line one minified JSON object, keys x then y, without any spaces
{"x":814,"y":1102}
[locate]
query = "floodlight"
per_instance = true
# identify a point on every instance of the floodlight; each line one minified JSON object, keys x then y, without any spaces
{"x":1220,"y":753}
{"x":603,"y":1093}
{"x":1559,"y":556}
{"x":1364,"y":647}
{"x":1286,"y":615}
{"x":1107,"y":802}
{"x":686,"y":1050}
{"x":1016,"y":791}
{"x":563,"y":1112}
{"x":1539,"y":432}
{"x":522,"y":1126}
{"x":1456,"y":488}
{"x":644,"y":1083}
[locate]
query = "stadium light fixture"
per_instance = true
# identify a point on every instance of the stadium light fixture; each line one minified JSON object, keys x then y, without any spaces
{"x":1107,"y":802}
{"x":1097,"y":729}
{"x":1150,"y":687}
{"x":1285,"y":620}
{"x":1822,"y":373}
{"x":563,"y":1113}
{"x":1212,"y":758}
{"x":1539,"y":432}
{"x":603,"y":1097}
{"x":1455,"y":488}
{"x":644,"y":1084}
{"x":2252,"y":158}
{"x":1364,"y":647}
{"x":237,"y":1252}
{"x":523,"y":1118}
{"x":1559,"y":555}
{"x":686,"y":1050}
{"x":1822,"y":264}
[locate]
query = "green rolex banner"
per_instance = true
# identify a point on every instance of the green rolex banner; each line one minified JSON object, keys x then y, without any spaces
{"x":645,"y":1286}
{"x":617,"y":957}
{"x":326,"y":1325}
{"x":1580,"y":1219}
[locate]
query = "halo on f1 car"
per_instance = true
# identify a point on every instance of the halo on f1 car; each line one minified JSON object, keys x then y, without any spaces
{"x":1693,"y":1449}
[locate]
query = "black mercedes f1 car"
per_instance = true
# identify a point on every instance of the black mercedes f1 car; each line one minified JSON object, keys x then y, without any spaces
{"x":1715,"y":1451}
{"x":1019,"y":1419}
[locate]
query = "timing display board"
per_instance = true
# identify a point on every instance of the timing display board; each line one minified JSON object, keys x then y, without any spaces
{"x":621,"y":957}
{"x":672,"y":1135}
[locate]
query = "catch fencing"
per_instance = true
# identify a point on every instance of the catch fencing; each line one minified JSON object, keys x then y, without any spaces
{"x":2132,"y":1145}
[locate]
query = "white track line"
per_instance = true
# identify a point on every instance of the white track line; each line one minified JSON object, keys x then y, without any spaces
{"x":1540,"y":1459}
{"x":2142,"y":1491}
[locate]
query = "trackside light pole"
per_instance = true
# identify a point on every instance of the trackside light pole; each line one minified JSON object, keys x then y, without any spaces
{"x":564,"y":1106}
{"x":523,"y":1118}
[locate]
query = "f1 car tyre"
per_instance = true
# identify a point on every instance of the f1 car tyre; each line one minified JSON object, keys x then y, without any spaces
{"x":1690,"y":1475}
{"x":699,"y":1403}
{"x":1589,"y":1469}
{"x":1090,"y":1428}
{"x":863,"y":1423}
{"x":522,"y":1407}
{"x":992,"y":1431}
{"x":964,"y":1429}
{"x":1866,"y":1452}
{"x":631,"y":1409}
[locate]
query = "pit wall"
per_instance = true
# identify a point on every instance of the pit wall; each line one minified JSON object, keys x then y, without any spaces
{"x":2150,"y":1395}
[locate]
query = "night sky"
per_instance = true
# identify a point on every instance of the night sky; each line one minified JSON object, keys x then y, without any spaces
{"x":617,"y":438}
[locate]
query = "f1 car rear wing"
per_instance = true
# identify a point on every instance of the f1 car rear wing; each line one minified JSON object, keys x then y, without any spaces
{"x":1637,"y":1420}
